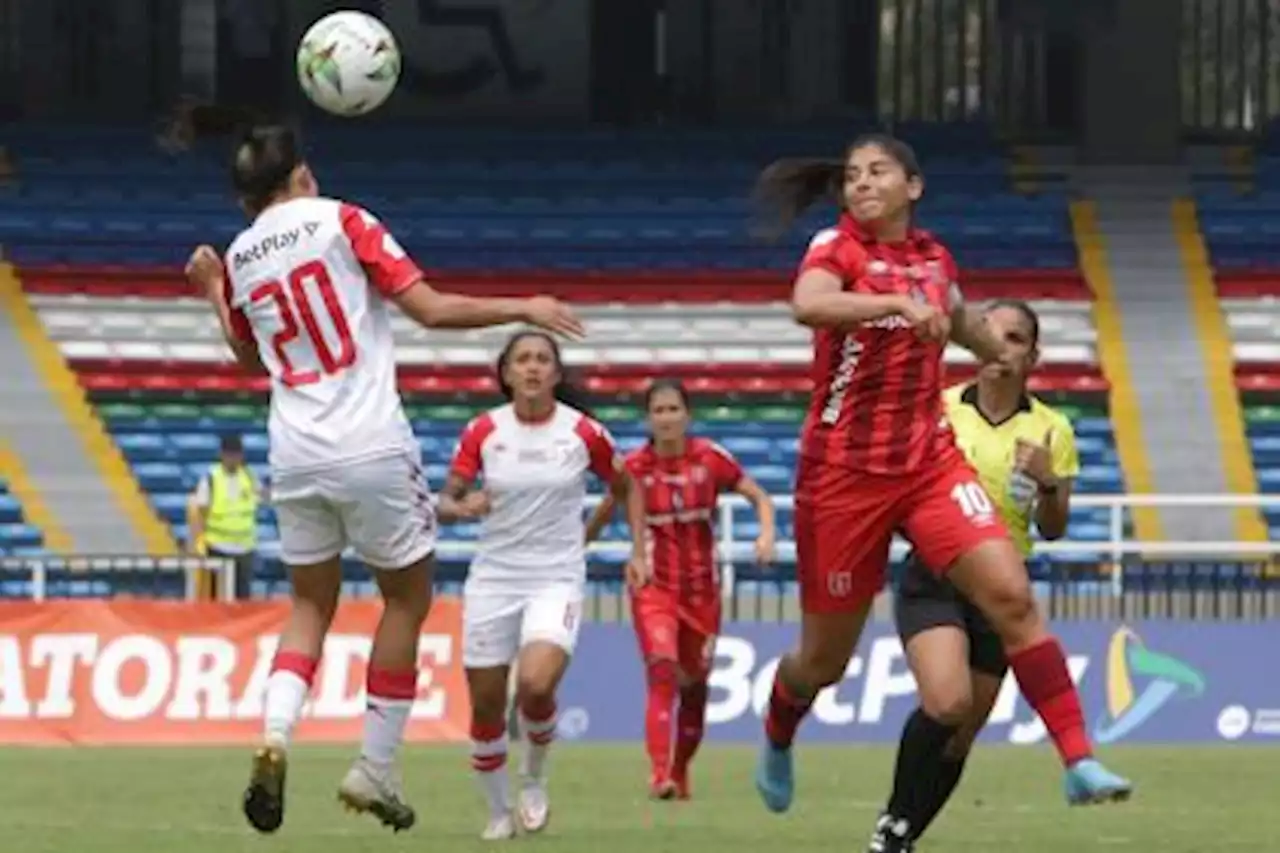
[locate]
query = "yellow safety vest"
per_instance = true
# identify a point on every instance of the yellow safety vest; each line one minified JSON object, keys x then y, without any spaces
{"x":232,"y":517}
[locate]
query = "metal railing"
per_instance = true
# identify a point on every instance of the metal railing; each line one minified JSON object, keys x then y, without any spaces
{"x":1118,"y":577}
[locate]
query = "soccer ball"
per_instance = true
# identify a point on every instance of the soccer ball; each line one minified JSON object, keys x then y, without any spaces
{"x":348,"y":63}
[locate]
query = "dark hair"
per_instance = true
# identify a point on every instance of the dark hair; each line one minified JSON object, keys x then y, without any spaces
{"x":1028,"y":313}
{"x":263,"y":162}
{"x":666,"y":385}
{"x":786,"y":188}
{"x":565,"y":391}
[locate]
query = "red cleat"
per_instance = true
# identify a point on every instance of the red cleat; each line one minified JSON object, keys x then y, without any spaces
{"x":680,"y":781}
{"x":662,"y":788}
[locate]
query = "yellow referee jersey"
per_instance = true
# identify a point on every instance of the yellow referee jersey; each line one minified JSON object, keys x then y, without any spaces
{"x":991,"y":448}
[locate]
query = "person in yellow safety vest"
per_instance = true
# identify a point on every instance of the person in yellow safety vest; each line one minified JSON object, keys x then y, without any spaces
{"x":222,"y":513}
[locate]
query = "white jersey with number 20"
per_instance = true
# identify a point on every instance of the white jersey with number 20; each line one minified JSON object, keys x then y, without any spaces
{"x":308,"y":280}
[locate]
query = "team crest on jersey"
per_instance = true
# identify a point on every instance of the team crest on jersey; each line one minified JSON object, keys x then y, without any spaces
{"x":878,"y":268}
{"x":699,"y":474}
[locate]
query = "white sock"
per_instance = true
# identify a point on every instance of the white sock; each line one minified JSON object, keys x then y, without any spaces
{"x":390,"y":699}
{"x":538,"y":736}
{"x":286,"y":694}
{"x":384,"y":722}
{"x":489,"y":761}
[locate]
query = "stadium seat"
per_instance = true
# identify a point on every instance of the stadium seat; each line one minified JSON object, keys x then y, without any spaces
{"x":651,"y":230}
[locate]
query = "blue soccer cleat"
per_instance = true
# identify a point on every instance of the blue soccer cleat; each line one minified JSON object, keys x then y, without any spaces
{"x":1088,"y":782}
{"x":775,"y":779}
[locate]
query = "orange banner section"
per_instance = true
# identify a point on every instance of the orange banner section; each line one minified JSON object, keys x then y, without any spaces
{"x":135,"y":672}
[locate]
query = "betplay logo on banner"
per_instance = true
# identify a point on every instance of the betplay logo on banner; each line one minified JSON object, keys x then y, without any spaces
{"x":1159,"y":682}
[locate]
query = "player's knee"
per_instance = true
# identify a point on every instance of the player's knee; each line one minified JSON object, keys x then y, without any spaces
{"x":662,"y":672}
{"x":488,"y":706}
{"x":950,"y":706}
{"x":536,"y":687}
{"x":1011,"y":608}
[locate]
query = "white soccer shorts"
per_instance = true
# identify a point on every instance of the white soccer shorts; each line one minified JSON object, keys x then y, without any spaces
{"x":380,"y":507}
{"x":497,"y":623}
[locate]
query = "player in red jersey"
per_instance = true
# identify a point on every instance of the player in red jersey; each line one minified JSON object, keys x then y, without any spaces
{"x":877,"y":455}
{"x":304,"y":296}
{"x":676,"y":613}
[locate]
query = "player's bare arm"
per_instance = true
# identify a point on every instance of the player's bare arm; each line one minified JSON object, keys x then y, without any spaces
{"x":437,"y":310}
{"x":819,"y":300}
{"x":461,"y":501}
{"x":600,"y":517}
{"x":205,"y":270}
{"x":766,"y":542}
{"x":969,"y":329}
{"x":624,"y":488}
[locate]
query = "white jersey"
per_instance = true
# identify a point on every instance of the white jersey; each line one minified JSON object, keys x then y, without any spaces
{"x":308,"y":280}
{"x":536,"y":477}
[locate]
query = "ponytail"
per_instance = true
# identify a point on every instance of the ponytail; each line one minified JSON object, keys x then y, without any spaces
{"x":788,"y":187}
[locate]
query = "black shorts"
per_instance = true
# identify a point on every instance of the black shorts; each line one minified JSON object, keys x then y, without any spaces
{"x":925,"y":601}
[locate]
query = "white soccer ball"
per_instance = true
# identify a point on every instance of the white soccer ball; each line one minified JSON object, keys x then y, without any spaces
{"x":348,"y":63}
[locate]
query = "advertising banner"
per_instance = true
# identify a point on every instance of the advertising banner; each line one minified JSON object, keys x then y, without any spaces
{"x":1157,"y":682}
{"x":144,"y":672}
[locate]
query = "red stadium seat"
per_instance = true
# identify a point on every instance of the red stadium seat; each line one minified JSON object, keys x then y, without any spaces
{"x":708,"y":286}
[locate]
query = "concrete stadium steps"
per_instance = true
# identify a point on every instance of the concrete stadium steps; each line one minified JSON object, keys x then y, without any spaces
{"x":18,"y":537}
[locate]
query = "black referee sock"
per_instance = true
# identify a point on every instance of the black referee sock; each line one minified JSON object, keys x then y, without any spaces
{"x":917,"y":773}
{"x":947,"y":777}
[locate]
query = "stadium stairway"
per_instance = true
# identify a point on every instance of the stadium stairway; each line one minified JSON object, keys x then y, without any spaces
{"x":1186,"y":430}
{"x":73,"y":464}
{"x":1238,"y":214}
{"x":27,"y":527}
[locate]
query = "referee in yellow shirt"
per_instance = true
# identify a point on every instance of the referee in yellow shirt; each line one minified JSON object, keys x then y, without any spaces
{"x":1025,"y":455}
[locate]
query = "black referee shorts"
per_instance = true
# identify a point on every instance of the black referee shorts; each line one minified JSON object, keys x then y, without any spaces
{"x":924,"y":601}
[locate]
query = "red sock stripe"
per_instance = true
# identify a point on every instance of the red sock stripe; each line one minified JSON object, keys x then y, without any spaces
{"x":301,"y":665}
{"x":538,"y":711}
{"x":483,"y":732}
{"x":488,"y":763}
{"x":393,"y":684}
{"x":541,"y":738}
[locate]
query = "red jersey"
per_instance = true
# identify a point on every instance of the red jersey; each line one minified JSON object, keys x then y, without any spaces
{"x":877,"y":389}
{"x":680,"y":497}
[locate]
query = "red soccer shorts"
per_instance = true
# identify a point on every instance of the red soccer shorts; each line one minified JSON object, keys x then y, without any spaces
{"x":845,"y":521}
{"x":668,"y":628}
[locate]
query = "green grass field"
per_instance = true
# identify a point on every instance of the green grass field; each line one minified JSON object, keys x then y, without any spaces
{"x":1189,"y":800}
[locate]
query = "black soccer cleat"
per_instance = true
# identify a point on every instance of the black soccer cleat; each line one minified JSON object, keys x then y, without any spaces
{"x":264,"y":798}
{"x":891,"y":835}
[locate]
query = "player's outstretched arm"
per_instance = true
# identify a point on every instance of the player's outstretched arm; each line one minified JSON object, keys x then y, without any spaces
{"x":437,"y":310}
{"x":818,"y":300}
